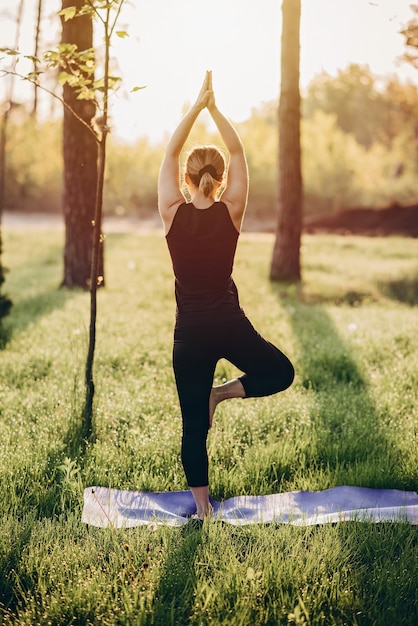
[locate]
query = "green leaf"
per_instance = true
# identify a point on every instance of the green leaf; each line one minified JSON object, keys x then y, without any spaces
{"x":10,"y":51}
{"x":105,"y":4}
{"x":87,"y":9}
{"x":112,"y":81}
{"x":74,"y":80}
{"x":68,"y":13}
{"x":138,"y":88}
{"x":34,"y":76}
{"x":64,"y":77}
{"x":86,"y":55}
{"x":31,"y":58}
{"x":67,"y":48}
{"x":122,"y":34}
{"x":85,"y":94}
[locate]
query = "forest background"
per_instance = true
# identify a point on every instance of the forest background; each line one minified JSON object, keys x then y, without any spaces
{"x":359,"y":145}
{"x":359,"y":138}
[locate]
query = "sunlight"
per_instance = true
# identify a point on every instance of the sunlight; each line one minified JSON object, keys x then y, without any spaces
{"x":242,"y":48}
{"x":171,"y":44}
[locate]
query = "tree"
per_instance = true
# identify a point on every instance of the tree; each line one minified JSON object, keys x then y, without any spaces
{"x":5,"y":302}
{"x":35,"y":55}
{"x":78,"y":74}
{"x":371,"y":109}
{"x":410,"y":32}
{"x":84,"y":150}
{"x":285,"y":263}
{"x":353,"y":97}
{"x":80,"y":147}
{"x":80,"y":102}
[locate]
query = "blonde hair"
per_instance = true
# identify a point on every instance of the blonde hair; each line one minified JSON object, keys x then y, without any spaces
{"x":205,"y":166}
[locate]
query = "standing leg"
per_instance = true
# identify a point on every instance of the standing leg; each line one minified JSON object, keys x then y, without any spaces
{"x":201,"y":498}
{"x":194,"y":368}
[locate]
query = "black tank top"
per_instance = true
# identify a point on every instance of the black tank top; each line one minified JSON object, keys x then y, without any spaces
{"x":202,"y":245}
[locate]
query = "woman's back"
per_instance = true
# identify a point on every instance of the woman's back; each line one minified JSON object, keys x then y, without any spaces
{"x":202,"y":245}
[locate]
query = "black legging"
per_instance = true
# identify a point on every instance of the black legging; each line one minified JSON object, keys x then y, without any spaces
{"x":196,"y":352}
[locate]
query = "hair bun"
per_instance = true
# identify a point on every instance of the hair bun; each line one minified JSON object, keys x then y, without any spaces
{"x":210,"y":169}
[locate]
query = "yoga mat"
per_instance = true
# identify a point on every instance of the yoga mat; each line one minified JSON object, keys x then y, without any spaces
{"x":115,"y":508}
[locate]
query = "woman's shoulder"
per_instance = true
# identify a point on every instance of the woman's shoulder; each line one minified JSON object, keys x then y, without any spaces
{"x":235,"y":214}
{"x":169,"y":215}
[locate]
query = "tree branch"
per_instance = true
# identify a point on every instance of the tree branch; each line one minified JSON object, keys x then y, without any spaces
{"x":54,"y":95}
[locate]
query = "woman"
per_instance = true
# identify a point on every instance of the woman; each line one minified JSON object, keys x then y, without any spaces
{"x":202,"y":236}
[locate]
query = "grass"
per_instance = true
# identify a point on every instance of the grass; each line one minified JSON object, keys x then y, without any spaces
{"x":351,"y":417}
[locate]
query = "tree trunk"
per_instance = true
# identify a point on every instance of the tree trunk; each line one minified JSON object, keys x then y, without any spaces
{"x":5,"y":110}
{"x":285,"y":265}
{"x":80,"y":166}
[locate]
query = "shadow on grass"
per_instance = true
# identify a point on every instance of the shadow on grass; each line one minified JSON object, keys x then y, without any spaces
{"x":31,"y":309}
{"x":54,"y":489}
{"x":59,"y":477}
{"x":40,"y":279}
{"x":349,"y":445}
{"x":403,"y":289}
{"x":174,"y":597}
{"x":5,"y":334}
{"x":64,"y":467}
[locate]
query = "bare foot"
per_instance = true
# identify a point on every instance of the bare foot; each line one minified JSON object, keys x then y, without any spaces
{"x":231,"y":389}
{"x":201,"y":498}
{"x":203,"y":514}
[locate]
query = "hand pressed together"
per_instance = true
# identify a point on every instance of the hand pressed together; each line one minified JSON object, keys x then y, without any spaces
{"x":206,"y":97}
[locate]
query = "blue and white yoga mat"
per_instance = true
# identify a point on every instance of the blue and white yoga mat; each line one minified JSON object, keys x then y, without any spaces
{"x":114,"y":508}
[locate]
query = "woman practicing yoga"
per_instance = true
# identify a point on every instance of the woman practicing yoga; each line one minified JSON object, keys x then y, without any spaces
{"x":202,"y":237}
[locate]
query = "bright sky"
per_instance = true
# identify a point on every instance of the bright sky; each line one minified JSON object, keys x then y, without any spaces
{"x":172,"y":42}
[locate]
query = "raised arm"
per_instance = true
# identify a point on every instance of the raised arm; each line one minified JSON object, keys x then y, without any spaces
{"x":236,"y":191}
{"x":169,"y":186}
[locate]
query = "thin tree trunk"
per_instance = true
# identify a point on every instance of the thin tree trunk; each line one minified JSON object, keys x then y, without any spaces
{"x":35,"y":54}
{"x":97,"y":253}
{"x":5,"y":302}
{"x":285,"y":265}
{"x":7,"y":105}
{"x":95,"y":281}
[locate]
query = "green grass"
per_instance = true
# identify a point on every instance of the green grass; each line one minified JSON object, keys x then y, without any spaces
{"x":350,"y":418}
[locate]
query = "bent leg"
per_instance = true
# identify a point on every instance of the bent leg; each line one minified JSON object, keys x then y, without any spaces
{"x":267,"y":370}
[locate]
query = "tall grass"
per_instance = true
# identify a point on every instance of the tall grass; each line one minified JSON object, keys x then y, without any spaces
{"x":350,"y":418}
